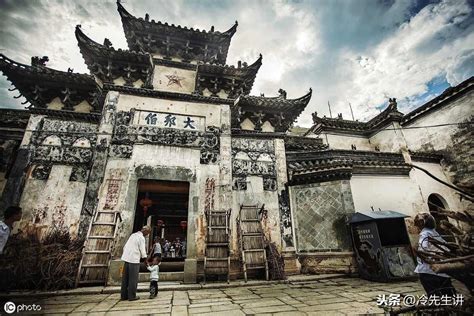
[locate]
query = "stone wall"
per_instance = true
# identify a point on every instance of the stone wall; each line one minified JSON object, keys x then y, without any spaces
{"x":320,"y":211}
{"x":143,"y":149}
{"x":259,"y":176}
{"x":344,"y":141}
{"x":439,"y":137}
{"x":459,"y":158}
{"x":8,"y":152}
{"x":55,"y":174}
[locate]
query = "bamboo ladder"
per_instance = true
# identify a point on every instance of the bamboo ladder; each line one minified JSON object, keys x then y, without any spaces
{"x":217,"y":255}
{"x":97,"y":251}
{"x":252,"y":239}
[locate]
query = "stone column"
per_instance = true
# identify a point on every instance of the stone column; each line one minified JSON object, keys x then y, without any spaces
{"x":292,"y":265}
{"x":13,"y":189}
{"x":96,"y":175}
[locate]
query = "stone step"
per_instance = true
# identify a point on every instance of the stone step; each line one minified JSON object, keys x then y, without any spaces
{"x":164,"y":276}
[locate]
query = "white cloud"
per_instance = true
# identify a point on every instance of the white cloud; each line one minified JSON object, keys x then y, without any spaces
{"x":402,"y":65}
{"x":350,"y":51}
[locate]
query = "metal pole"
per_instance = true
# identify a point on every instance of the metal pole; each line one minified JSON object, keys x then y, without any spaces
{"x":329,"y":106}
{"x":350,"y":106}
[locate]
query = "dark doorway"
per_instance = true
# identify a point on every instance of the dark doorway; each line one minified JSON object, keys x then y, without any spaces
{"x":163,"y":205}
{"x":435,"y":204}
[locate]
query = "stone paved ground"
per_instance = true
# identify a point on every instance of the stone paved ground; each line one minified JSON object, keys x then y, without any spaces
{"x":339,"y":296}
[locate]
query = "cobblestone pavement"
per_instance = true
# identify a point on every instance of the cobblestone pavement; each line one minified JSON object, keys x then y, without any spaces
{"x":340,"y":296}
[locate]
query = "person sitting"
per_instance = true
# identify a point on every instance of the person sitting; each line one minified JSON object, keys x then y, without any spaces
{"x":437,"y":284}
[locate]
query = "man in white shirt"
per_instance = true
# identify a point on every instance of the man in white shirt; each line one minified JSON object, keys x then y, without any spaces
{"x":12,"y":214}
{"x":133,"y":251}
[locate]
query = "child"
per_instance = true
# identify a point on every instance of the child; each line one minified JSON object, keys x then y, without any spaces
{"x":154,"y":270}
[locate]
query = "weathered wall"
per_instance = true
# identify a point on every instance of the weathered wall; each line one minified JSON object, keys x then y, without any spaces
{"x":8,"y":151}
{"x":395,"y":193}
{"x":428,"y":185}
{"x":459,"y":158}
{"x":438,"y":138}
{"x":389,"y":139}
{"x":343,"y":141}
{"x":54,"y":203}
{"x":320,"y":211}
{"x":259,"y":175}
{"x":173,"y":79}
{"x":58,"y":168}
{"x":143,"y":149}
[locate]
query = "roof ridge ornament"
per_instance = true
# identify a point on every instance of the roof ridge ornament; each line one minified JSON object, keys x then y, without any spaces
{"x":282,"y":93}
{"x":36,"y":61}
{"x":107,"y":43}
{"x":315,"y":117}
{"x":392,"y":103}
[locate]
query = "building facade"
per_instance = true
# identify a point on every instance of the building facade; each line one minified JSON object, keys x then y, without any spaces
{"x":165,"y":132}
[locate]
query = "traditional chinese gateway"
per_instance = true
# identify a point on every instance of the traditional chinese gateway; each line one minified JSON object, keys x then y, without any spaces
{"x":166,"y":134}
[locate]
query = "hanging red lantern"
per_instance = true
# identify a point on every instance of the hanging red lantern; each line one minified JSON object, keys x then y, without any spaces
{"x":145,"y":203}
{"x":184,"y":224}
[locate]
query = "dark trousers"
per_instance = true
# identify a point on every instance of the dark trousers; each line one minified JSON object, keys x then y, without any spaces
{"x":436,"y":285}
{"x":129,"y":281}
{"x":153,"y":288}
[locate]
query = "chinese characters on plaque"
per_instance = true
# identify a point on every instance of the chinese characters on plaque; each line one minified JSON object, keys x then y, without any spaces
{"x":170,"y":120}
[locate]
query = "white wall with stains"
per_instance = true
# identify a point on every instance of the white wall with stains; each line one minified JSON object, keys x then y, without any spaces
{"x":50,"y":204}
{"x":438,"y":137}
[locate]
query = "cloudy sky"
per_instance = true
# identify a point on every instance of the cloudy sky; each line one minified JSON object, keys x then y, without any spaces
{"x":360,"y":51}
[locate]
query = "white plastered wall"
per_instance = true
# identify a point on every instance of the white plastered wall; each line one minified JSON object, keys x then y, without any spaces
{"x":438,"y":138}
{"x":343,"y":141}
{"x":395,"y":193}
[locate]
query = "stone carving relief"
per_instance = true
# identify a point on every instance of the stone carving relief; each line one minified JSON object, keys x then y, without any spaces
{"x":269,"y":184}
{"x":253,"y":145}
{"x":210,"y":147}
{"x":257,"y":168}
{"x":113,"y":192}
{"x":126,"y":134}
{"x":121,"y":151}
{"x":64,"y":143}
{"x":253,"y":157}
{"x":286,"y":225}
{"x":82,"y":142}
{"x":62,"y":155}
{"x":239,"y":184}
{"x":123,"y":118}
{"x":209,"y":198}
{"x":79,"y":174}
{"x":41,"y":172}
{"x":59,"y":126}
{"x":52,"y":140}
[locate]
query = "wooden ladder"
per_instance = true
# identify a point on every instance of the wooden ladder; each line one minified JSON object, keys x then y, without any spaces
{"x":217,"y":255}
{"x":97,"y":251}
{"x":252,"y":239}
